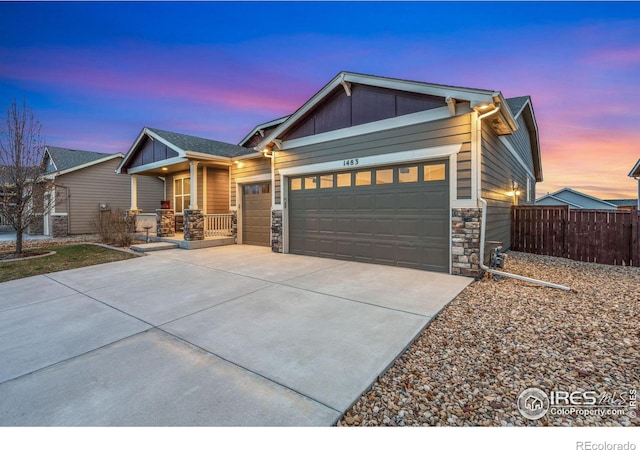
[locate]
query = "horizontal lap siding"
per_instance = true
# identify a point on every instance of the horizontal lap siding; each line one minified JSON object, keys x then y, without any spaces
{"x":94,"y":185}
{"x":499,"y":169}
{"x":425,"y":135}
{"x":217,"y":191}
{"x":248,"y":168}
{"x":521,"y":141}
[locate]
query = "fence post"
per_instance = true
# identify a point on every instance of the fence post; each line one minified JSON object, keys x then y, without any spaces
{"x":635,"y":237}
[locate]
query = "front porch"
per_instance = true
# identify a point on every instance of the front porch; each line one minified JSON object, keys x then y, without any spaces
{"x":213,"y":229}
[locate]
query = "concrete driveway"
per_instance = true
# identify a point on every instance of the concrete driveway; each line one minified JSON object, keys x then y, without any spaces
{"x":226,"y":336}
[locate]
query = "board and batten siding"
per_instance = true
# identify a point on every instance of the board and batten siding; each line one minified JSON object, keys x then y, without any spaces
{"x":92,"y":186}
{"x":454,"y":130}
{"x":499,"y":169}
{"x":247,"y":168}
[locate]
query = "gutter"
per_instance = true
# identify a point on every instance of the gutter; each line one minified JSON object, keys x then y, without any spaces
{"x":483,"y":233}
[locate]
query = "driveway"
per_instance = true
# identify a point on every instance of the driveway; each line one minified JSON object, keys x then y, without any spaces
{"x":226,"y":336}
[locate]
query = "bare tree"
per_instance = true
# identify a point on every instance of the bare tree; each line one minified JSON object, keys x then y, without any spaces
{"x":22,"y":189}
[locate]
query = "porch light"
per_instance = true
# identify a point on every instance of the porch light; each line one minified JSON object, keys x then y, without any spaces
{"x":164,"y":169}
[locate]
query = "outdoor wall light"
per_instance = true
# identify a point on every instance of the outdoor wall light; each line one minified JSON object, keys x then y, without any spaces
{"x":164,"y":169}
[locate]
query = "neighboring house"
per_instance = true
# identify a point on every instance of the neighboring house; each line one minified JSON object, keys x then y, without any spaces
{"x":87,"y":183}
{"x":369,"y":169}
{"x":574,"y":200}
{"x":635,"y":173}
{"x":624,"y":204}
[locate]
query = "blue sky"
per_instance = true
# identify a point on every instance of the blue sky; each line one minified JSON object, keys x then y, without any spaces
{"x":96,"y":73}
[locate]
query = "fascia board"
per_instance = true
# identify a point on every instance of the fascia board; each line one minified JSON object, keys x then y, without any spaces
{"x":260,"y":127}
{"x":635,"y":172}
{"x":157,"y":164}
{"x":205,"y":156}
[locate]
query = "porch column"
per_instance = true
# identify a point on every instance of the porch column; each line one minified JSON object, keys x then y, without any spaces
{"x":134,"y":192}
{"x":193,"y":166}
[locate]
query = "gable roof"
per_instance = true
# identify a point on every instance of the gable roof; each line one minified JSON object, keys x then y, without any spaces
{"x":517,"y":104}
{"x":67,"y":160}
{"x":188,"y":146}
{"x":259,"y":129}
{"x":477,"y":98}
{"x":576,"y":199}
{"x":183,"y":142}
{"x":635,"y":172}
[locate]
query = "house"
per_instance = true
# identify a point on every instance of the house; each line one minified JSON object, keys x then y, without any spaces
{"x":369,"y":169}
{"x":574,"y":200}
{"x":624,"y":204}
{"x":86,"y":183}
{"x":635,"y":173}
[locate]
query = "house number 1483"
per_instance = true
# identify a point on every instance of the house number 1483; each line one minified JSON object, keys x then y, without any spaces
{"x":350,"y":162}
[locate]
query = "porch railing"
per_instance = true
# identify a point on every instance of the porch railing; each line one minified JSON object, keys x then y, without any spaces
{"x":217,"y":225}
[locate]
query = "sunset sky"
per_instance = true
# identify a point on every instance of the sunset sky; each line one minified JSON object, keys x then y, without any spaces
{"x":96,"y":73}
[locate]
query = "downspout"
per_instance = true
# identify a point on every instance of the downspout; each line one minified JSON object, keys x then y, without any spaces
{"x":483,"y":232}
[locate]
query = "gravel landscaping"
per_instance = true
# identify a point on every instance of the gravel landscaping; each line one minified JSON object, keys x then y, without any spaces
{"x":498,"y":338}
{"x":46,"y":242}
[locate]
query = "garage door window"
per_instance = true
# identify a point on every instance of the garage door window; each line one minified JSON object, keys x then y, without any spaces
{"x":363,"y":178}
{"x":326,"y":181}
{"x":310,"y":183}
{"x":343,"y":179}
{"x":408,"y":174}
{"x":384,"y":176}
{"x":296,"y":184}
{"x":435,"y":172}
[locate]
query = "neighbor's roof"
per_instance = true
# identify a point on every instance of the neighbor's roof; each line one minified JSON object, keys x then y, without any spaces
{"x":67,"y":159}
{"x":201,"y":145}
{"x":576,"y":199}
{"x":623,"y":202}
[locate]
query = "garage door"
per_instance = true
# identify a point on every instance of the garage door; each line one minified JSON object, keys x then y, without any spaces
{"x":256,"y":214}
{"x":397,"y":215}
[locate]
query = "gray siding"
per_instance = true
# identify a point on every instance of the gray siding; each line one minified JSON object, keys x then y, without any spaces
{"x":97,"y":184}
{"x":248,"y":168}
{"x":521,"y":141}
{"x":441,"y":132}
{"x":499,"y":169}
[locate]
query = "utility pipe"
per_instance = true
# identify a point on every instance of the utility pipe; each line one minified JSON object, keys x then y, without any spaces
{"x":482,"y":237}
{"x":506,"y":274}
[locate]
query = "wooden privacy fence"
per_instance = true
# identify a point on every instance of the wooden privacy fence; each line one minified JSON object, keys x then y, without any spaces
{"x":593,"y":235}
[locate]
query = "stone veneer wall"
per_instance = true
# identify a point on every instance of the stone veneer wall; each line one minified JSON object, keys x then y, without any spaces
{"x":193,"y":225}
{"x":234,"y":225}
{"x":165,"y":222}
{"x":59,"y":225}
{"x":465,"y":241}
{"x":276,"y":231}
{"x":37,"y":226}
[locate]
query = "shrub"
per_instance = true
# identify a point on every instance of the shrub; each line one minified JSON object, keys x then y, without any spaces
{"x":113,"y":227}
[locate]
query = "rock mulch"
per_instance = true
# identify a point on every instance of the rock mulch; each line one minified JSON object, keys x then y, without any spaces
{"x":497,"y":338}
{"x":36,"y":243}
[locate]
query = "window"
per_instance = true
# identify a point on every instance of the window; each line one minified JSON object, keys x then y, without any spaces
{"x":260,"y":188}
{"x":181,"y":194}
{"x":363,"y":178}
{"x":408,"y":174}
{"x":384,"y":176}
{"x":296,"y":184}
{"x":310,"y":183}
{"x":326,"y":181}
{"x":435,"y":172}
{"x":343,"y":179}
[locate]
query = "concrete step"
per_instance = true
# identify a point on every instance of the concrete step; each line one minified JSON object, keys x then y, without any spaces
{"x":153,"y":246}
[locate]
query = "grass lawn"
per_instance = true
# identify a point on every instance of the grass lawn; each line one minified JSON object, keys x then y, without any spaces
{"x":66,"y":257}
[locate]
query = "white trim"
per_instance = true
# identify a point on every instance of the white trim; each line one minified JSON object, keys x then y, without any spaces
{"x":475,"y":96}
{"x":635,"y":172}
{"x":464,"y":203}
{"x":253,"y":178}
{"x":262,"y":126}
{"x":476,"y":156}
{"x":204,"y":190}
{"x":515,"y":154}
{"x":59,"y":214}
{"x":371,"y":127}
{"x":157,"y":164}
{"x":453,"y":178}
{"x":200,"y":156}
{"x":133,"y":192}
{"x":441,"y":151}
